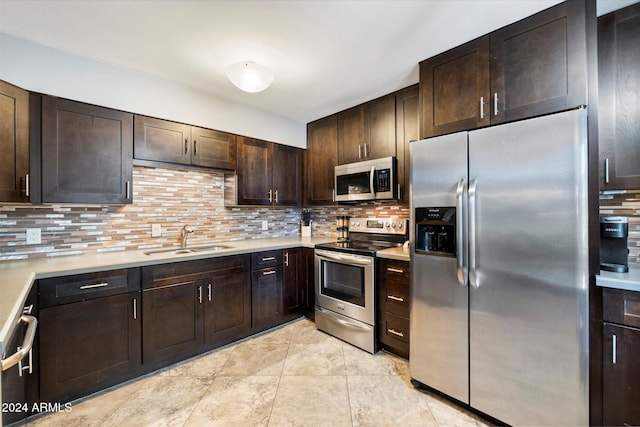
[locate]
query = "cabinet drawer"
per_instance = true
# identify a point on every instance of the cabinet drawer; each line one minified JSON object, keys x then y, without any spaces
{"x":395,"y":297}
{"x":81,"y":287}
{"x":393,"y":332}
{"x":622,"y":307}
{"x":265,"y":259}
{"x":395,"y":270}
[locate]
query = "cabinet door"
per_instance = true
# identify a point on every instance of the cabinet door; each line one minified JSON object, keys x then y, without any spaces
{"x":351,"y":135}
{"x":266,"y":297}
{"x":228,"y":309}
{"x":407,"y":128}
{"x":291,"y":280}
{"x":213,"y":149}
{"x":287,"y":175}
{"x":88,"y":346}
{"x":308,"y":283}
{"x":619,"y":109}
{"x":621,"y":374}
{"x":454,"y":89}
{"x":254,"y":171}
{"x":87,"y":153}
{"x":380,"y":128}
{"x":14,"y":143}
{"x":161,"y":140}
{"x":538,"y":65}
{"x":172,"y":326}
{"x":320,"y":161}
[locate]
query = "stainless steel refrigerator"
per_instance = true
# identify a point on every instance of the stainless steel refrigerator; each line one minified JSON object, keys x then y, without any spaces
{"x":499,"y":273}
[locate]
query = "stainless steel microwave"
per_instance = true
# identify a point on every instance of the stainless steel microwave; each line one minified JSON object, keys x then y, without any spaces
{"x":369,"y":180}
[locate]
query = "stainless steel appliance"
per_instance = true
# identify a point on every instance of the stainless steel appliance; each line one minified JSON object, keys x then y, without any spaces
{"x":369,"y":180}
{"x":614,"y":252}
{"x":499,"y":274}
{"x":345,"y":277}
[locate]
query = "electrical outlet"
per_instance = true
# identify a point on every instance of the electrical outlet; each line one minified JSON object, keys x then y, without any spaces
{"x":265,"y":225}
{"x":33,"y":236}
{"x":156,"y":230}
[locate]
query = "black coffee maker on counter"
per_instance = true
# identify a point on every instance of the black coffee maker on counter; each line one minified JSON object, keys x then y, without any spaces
{"x":614,"y":253}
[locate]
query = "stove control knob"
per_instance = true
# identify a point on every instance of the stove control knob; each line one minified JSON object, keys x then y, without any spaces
{"x":393,"y":225}
{"x":353,"y":223}
{"x":387,"y":225}
{"x":399,"y":226}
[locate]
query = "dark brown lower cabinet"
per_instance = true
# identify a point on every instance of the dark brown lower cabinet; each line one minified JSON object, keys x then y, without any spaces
{"x":393,"y":306}
{"x":621,"y":373}
{"x":266,"y":297}
{"x":227,"y":315}
{"x":172,"y":326}
{"x":292,"y":282}
{"x":88,"y":346}
{"x":308,"y":283}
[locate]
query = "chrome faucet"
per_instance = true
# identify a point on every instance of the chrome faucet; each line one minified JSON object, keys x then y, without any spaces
{"x":184,"y":234}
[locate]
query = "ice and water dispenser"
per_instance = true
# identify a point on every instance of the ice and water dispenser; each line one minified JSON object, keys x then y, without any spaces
{"x":436,"y":230}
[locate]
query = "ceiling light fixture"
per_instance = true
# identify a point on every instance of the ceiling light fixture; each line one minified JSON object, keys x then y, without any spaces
{"x":250,"y":76}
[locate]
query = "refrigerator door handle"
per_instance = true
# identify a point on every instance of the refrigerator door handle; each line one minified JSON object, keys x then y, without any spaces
{"x":473,"y":274}
{"x":461,"y":273}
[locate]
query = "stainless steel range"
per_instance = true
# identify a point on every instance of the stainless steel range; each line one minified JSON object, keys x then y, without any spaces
{"x":345,"y":277}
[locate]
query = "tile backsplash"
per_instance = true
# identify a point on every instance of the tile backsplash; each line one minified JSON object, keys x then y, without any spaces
{"x":625,"y":204}
{"x":172,"y":198}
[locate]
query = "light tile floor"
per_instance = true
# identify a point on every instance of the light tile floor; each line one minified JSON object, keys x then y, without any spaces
{"x":294,"y":375}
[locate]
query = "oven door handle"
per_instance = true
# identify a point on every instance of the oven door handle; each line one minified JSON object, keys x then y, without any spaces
{"x":343,"y":322}
{"x":343,"y":258}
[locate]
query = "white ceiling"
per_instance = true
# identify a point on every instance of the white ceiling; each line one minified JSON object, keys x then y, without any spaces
{"x":326,"y":55}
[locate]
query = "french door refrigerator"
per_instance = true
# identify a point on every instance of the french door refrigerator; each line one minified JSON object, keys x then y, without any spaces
{"x":499,"y":274}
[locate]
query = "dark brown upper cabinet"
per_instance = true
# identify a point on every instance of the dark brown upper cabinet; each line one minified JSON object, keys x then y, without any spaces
{"x":157,"y":140}
{"x":367,"y":131}
{"x":87,"y":153}
{"x":407,"y":130}
{"x":320,"y":161}
{"x":14,"y":143}
{"x":532,"y":67}
{"x":619,"y":109}
{"x":267,"y":174}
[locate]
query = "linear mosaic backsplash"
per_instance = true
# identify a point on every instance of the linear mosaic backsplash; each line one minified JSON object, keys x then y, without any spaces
{"x":625,"y":204}
{"x":172,"y":198}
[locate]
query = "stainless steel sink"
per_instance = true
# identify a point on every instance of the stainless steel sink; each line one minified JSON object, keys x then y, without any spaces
{"x":194,"y":249}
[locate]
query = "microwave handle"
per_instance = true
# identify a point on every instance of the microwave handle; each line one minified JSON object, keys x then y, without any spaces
{"x":372,"y":180}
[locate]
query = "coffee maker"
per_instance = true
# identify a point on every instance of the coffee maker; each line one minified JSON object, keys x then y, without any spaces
{"x":614,"y":253}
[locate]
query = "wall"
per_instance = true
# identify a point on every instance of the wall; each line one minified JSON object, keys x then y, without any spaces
{"x":625,"y":204}
{"x":42,"y":69}
{"x":169,"y":197}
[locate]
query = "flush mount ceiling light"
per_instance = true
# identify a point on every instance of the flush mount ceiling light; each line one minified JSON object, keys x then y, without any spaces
{"x":250,"y":76}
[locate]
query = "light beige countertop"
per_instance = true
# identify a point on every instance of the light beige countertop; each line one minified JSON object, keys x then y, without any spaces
{"x":400,"y":254}
{"x":628,"y":281}
{"x":17,"y":277}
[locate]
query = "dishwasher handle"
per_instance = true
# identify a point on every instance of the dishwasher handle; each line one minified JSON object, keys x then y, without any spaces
{"x":27,"y":343}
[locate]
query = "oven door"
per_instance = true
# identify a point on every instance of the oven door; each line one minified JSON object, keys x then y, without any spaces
{"x":344,"y":284}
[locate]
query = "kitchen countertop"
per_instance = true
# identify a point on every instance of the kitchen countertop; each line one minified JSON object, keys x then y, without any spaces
{"x":401,"y":253}
{"x":17,"y":277}
{"x":628,"y":281}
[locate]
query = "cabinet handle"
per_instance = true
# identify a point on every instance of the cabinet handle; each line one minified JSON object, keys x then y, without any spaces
{"x":200,"y":294}
{"x":495,"y":104}
{"x":399,"y":192}
{"x":268,"y":273}
{"x":270,"y":196}
{"x":359,"y":152}
{"x":26,"y":185}
{"x":614,"y":348}
{"x":366,"y":153}
{"x":135,"y":309}
{"x":97,"y":285}
{"x":606,"y":170}
{"x":186,"y":146}
{"x":286,"y":259}
{"x":195,"y":147}
{"x":333,"y":195}
{"x":127,"y":189}
{"x":394,"y":332}
{"x":276,"y":193}
{"x":209,"y":291}
{"x":482,"y":107}
{"x":271,"y":258}
{"x":25,"y":348}
{"x":395,"y":270}
{"x":395,"y":298}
